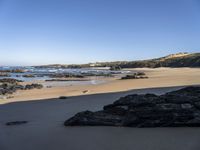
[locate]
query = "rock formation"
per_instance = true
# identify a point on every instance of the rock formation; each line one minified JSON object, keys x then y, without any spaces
{"x":137,"y":75}
{"x":179,"y":108}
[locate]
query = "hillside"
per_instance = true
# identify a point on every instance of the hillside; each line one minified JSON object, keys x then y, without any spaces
{"x":173,"y":60}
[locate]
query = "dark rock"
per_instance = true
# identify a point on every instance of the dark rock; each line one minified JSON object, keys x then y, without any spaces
{"x":85,"y":91}
{"x":63,"y":97}
{"x":65,"y":75}
{"x":28,"y":76}
{"x":140,"y":73}
{"x":13,"y":71}
{"x":16,"y":123}
{"x":94,"y":119}
{"x":179,"y":108}
{"x":10,"y":80}
{"x":33,"y":86}
{"x":137,"y":75}
{"x":9,"y":87}
{"x":114,"y":68}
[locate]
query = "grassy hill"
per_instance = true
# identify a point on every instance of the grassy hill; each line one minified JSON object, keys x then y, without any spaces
{"x":173,"y":60}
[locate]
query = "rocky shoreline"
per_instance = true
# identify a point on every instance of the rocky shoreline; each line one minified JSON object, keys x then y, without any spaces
{"x":137,"y":75}
{"x":9,"y":86}
{"x":179,"y":108}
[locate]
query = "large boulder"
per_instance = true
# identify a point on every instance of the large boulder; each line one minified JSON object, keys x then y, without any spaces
{"x":179,"y":108}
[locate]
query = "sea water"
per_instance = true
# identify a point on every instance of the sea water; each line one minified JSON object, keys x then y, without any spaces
{"x":42,"y":74}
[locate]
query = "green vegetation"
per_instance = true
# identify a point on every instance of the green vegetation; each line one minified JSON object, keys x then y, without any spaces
{"x":187,"y":60}
{"x":174,"y":60}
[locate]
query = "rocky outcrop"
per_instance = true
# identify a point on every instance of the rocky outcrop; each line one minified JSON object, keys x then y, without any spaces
{"x":9,"y":80}
{"x":115,"y":68}
{"x":65,"y":80}
{"x":33,"y":86}
{"x":13,"y":71}
{"x":175,"y":109}
{"x":7,"y":88}
{"x":29,"y":76}
{"x":65,"y":75}
{"x":10,"y":86}
{"x":137,"y":75}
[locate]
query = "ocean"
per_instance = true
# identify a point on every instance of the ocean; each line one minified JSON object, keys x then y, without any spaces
{"x":42,"y":74}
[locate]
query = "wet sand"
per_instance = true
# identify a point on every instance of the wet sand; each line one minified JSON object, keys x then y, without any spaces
{"x":45,"y":117}
{"x":45,"y":128}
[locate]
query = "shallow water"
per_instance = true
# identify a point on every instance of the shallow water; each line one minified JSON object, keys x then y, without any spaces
{"x":42,"y":73}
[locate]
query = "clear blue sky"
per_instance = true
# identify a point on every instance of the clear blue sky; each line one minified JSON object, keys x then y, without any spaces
{"x":36,"y":32}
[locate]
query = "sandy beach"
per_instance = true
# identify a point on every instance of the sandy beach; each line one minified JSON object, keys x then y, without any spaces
{"x":99,"y":75}
{"x":160,"y":77}
{"x":46,"y":113}
{"x":45,"y":129}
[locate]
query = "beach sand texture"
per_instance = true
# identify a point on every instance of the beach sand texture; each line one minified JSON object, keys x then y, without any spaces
{"x":45,"y":129}
{"x":160,"y":77}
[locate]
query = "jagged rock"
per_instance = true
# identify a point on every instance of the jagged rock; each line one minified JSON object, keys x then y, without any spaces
{"x":179,"y":108}
{"x":94,"y":119}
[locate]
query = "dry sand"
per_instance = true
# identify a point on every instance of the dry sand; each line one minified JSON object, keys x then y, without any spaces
{"x":161,"y":77}
{"x":45,"y":130}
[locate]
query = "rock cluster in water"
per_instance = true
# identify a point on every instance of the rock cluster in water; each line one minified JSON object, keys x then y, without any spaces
{"x":179,"y":108}
{"x":29,"y":76}
{"x":65,"y":75}
{"x":13,"y":71}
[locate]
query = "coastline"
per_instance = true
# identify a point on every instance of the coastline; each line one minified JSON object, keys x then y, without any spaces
{"x":160,"y":77}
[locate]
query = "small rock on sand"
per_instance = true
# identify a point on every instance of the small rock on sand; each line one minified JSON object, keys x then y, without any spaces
{"x":63,"y":97}
{"x":16,"y":123}
{"x":85,"y":91}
